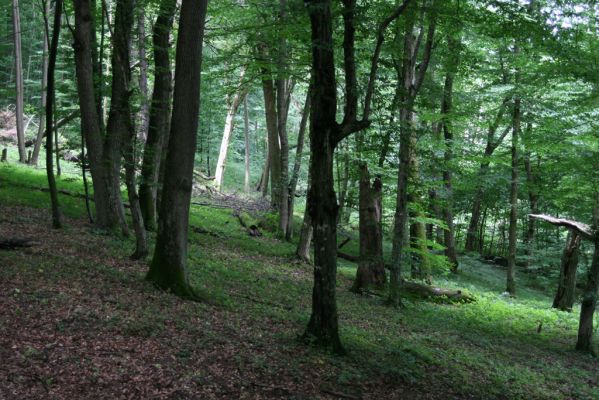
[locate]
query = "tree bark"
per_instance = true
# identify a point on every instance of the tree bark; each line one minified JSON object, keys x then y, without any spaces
{"x":246,"y":136}
{"x":168,"y":269}
{"x":371,"y":266}
{"x":303,"y":246}
{"x":56,"y":218}
{"x":19,"y":87}
{"x":228,"y":131}
{"x":299,"y":152}
{"x":107,"y":217}
{"x":159,"y":113}
{"x":144,"y":109}
{"x":40,"y":130}
{"x":566,"y":289}
{"x":513,"y":227}
{"x":274,"y":148}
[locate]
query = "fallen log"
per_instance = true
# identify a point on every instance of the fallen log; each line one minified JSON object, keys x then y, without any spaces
{"x":348,"y":257}
{"x":12,"y":243}
{"x":427,"y":291}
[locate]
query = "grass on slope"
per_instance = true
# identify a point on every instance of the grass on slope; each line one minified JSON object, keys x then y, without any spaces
{"x":488,"y":349}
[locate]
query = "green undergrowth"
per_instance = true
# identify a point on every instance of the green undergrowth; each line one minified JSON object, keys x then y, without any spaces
{"x":497,"y":347}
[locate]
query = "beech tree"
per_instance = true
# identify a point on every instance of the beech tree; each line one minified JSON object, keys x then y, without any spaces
{"x":168,"y":267}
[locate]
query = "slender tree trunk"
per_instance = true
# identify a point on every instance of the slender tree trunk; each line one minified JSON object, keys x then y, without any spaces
{"x":299,"y":152}
{"x":40,"y":130}
{"x":446,"y":109}
{"x":533,"y":198}
{"x":159,"y":114}
{"x":56,"y":219}
{"x":246,"y":136}
{"x":168,"y":269}
{"x":589,"y":299}
{"x":228,"y":131}
{"x":303,"y":246}
{"x":144,"y":110}
{"x":274,"y":148}
{"x":566,"y":289}
{"x":19,"y":87}
{"x":513,"y":228}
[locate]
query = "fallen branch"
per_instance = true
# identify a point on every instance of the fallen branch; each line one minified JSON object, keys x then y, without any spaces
{"x":203,"y":175}
{"x":348,"y":257}
{"x":425,"y":291}
{"x":12,"y":244}
{"x":583,"y":230}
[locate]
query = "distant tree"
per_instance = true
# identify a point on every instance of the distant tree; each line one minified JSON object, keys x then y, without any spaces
{"x":19,"y":87}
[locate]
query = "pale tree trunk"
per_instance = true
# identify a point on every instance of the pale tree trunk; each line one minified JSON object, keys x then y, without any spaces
{"x":144,"y":110}
{"x":299,"y":152}
{"x":303,"y":246}
{"x":19,"y":87}
{"x":228,"y":131}
{"x":513,"y":227}
{"x":159,"y":114}
{"x":246,"y":137}
{"x":168,"y":269}
{"x":40,"y":130}
{"x":566,"y":289}
{"x":56,"y":218}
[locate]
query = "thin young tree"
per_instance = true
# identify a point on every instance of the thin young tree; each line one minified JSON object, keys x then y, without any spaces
{"x":56,"y":219}
{"x":168,"y":269}
{"x":19,"y":87}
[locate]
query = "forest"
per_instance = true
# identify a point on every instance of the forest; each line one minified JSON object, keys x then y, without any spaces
{"x":299,"y":199}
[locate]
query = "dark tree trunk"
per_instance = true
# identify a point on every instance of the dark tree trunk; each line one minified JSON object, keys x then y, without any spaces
{"x":533,"y":198}
{"x":168,"y":269}
{"x":40,"y":131}
{"x":246,"y":138}
{"x":566,"y":289}
{"x":453,"y":44}
{"x":323,"y":325}
{"x":513,"y":227}
{"x":159,"y":113}
{"x":106,"y":216}
{"x":120,"y":120}
{"x":371,"y":266}
{"x":56,"y":223}
{"x":589,"y":299}
{"x":283,"y":93}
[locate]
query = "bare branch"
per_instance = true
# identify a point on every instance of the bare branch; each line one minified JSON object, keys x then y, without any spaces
{"x":583,"y":230}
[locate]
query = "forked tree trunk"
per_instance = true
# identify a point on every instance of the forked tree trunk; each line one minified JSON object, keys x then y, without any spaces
{"x":159,"y":114}
{"x":168,"y":269}
{"x":56,"y":219}
{"x":106,"y":216}
{"x":228,"y":131}
{"x":19,"y":87}
{"x":371,"y":266}
{"x":566,"y":289}
{"x":40,"y":131}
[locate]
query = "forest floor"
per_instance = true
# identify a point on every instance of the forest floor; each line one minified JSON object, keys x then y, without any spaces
{"x":78,"y":321}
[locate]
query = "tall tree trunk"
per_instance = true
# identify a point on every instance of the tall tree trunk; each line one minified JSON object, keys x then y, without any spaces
{"x":274,"y":148}
{"x":566,"y":289}
{"x":56,"y":219}
{"x":513,"y":228}
{"x":159,"y":114}
{"x":299,"y":152}
{"x":246,"y":137}
{"x":371,"y":267}
{"x":19,"y":87}
{"x":168,"y":269}
{"x":323,"y":325}
{"x":453,"y":44}
{"x":533,"y":197}
{"x":40,"y":130}
{"x":589,"y":299}
{"x":106,"y":216}
{"x":303,"y":246}
{"x":228,"y":131}
{"x":144,"y":109}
